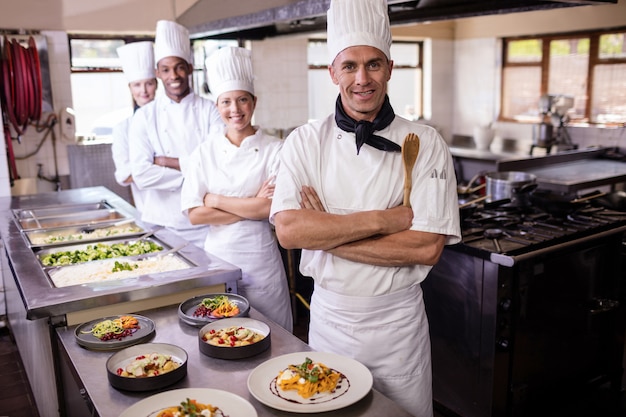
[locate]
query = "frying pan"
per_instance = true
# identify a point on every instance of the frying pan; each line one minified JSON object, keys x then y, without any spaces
{"x":560,"y":204}
{"x":615,"y":200}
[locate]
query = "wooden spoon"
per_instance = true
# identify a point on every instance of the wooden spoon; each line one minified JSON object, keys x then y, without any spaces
{"x":410,"y":150}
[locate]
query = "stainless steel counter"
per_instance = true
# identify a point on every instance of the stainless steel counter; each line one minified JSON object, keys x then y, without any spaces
{"x":35,"y":306}
{"x":89,"y":368}
{"x":41,"y":299}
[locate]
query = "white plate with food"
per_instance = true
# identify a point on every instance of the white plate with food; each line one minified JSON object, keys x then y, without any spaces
{"x":228,"y":404}
{"x":345,"y":382}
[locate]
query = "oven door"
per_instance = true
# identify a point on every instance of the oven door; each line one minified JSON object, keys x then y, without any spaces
{"x":568,"y":325}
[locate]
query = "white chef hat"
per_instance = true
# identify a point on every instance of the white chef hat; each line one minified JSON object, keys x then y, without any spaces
{"x":357,"y":23}
{"x":229,"y":69}
{"x":137,"y":60}
{"x":171,"y":39}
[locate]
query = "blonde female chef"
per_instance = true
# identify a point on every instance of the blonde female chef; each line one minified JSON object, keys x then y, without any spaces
{"x":138,"y":66}
{"x":229,"y":186}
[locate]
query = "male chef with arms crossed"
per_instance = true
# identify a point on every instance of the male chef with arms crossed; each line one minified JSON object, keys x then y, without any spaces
{"x":164,"y":132}
{"x":338,"y":196}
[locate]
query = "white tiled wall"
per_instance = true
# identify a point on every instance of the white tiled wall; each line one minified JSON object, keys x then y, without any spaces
{"x":280,"y":67}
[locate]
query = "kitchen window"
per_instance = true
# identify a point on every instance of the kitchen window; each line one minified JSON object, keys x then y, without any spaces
{"x":405,"y":87}
{"x":590,"y":67}
{"x":100,"y":95}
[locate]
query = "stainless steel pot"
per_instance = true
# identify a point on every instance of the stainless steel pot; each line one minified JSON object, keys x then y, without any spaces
{"x":511,"y":184}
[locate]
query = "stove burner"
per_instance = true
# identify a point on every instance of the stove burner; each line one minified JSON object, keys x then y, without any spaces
{"x":517,"y":230}
{"x":494,"y":235}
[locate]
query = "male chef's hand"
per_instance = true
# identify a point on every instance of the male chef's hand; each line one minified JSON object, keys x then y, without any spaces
{"x":310,"y":200}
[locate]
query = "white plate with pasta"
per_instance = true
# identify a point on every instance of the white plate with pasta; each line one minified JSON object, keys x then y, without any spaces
{"x":348,"y":381}
{"x":228,"y":404}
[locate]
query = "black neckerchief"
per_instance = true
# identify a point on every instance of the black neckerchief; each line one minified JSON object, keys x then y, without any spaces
{"x":365,"y":130}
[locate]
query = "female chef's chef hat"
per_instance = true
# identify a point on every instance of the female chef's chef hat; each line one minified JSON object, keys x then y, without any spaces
{"x":171,"y":39}
{"x":358,"y":23}
{"x":137,"y":60}
{"x":229,"y":69}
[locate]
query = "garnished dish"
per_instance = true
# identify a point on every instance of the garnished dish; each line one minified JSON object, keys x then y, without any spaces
{"x":232,"y":336}
{"x":182,"y":401}
{"x":310,"y":382}
{"x":207,"y":308}
{"x":114,"y":332}
{"x":218,"y":306}
{"x":117,"y":328}
{"x":145,"y":366}
{"x":99,"y":251}
{"x":191,"y":408}
{"x":309,"y":378}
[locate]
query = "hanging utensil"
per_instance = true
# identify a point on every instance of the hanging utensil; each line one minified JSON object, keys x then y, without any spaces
{"x":410,"y":150}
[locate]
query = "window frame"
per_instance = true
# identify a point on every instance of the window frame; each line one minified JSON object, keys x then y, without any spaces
{"x":126,"y":38}
{"x":544,"y":64}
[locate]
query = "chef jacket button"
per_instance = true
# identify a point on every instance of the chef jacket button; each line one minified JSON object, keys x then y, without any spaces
{"x":339,"y":136}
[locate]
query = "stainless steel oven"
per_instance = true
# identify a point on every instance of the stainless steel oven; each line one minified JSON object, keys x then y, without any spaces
{"x":526,"y":321}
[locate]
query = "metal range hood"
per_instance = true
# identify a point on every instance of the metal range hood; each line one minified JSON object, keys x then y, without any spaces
{"x":307,"y":16}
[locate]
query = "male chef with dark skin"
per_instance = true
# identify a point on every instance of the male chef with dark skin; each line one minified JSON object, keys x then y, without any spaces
{"x":165,"y":132}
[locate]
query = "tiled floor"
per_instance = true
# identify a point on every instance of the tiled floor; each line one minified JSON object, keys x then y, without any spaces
{"x":16,"y":399}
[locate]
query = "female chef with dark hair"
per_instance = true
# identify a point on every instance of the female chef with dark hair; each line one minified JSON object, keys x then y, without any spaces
{"x":229,"y":186}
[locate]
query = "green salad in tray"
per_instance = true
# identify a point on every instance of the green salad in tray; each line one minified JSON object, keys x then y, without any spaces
{"x":99,"y":251}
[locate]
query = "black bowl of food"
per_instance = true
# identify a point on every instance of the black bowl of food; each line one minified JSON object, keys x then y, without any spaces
{"x":147,"y":366}
{"x":202,"y":309}
{"x":234,"y":338}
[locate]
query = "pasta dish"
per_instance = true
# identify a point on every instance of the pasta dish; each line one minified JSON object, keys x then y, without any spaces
{"x":308,"y":378}
{"x":191,"y":408}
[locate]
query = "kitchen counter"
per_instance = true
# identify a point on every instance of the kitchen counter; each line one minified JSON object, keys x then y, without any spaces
{"x":34,"y":306}
{"x":89,"y":370}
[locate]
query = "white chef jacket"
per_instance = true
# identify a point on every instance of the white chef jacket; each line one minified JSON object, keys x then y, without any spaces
{"x":219,"y":167}
{"x":121,"y":160}
{"x":166,"y":128}
{"x":324,"y":157}
{"x":373,"y":314}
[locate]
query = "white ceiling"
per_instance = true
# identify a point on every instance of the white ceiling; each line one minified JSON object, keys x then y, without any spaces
{"x":134,"y":16}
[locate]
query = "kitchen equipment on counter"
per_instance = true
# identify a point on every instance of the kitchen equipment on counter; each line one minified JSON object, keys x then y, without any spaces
{"x":515,"y":185}
{"x":561,"y":204}
{"x":483,"y":137}
{"x":553,"y":110}
{"x":530,"y":306}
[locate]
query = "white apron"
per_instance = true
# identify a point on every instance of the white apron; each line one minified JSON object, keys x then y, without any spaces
{"x":264,"y":282}
{"x":388,"y":333}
